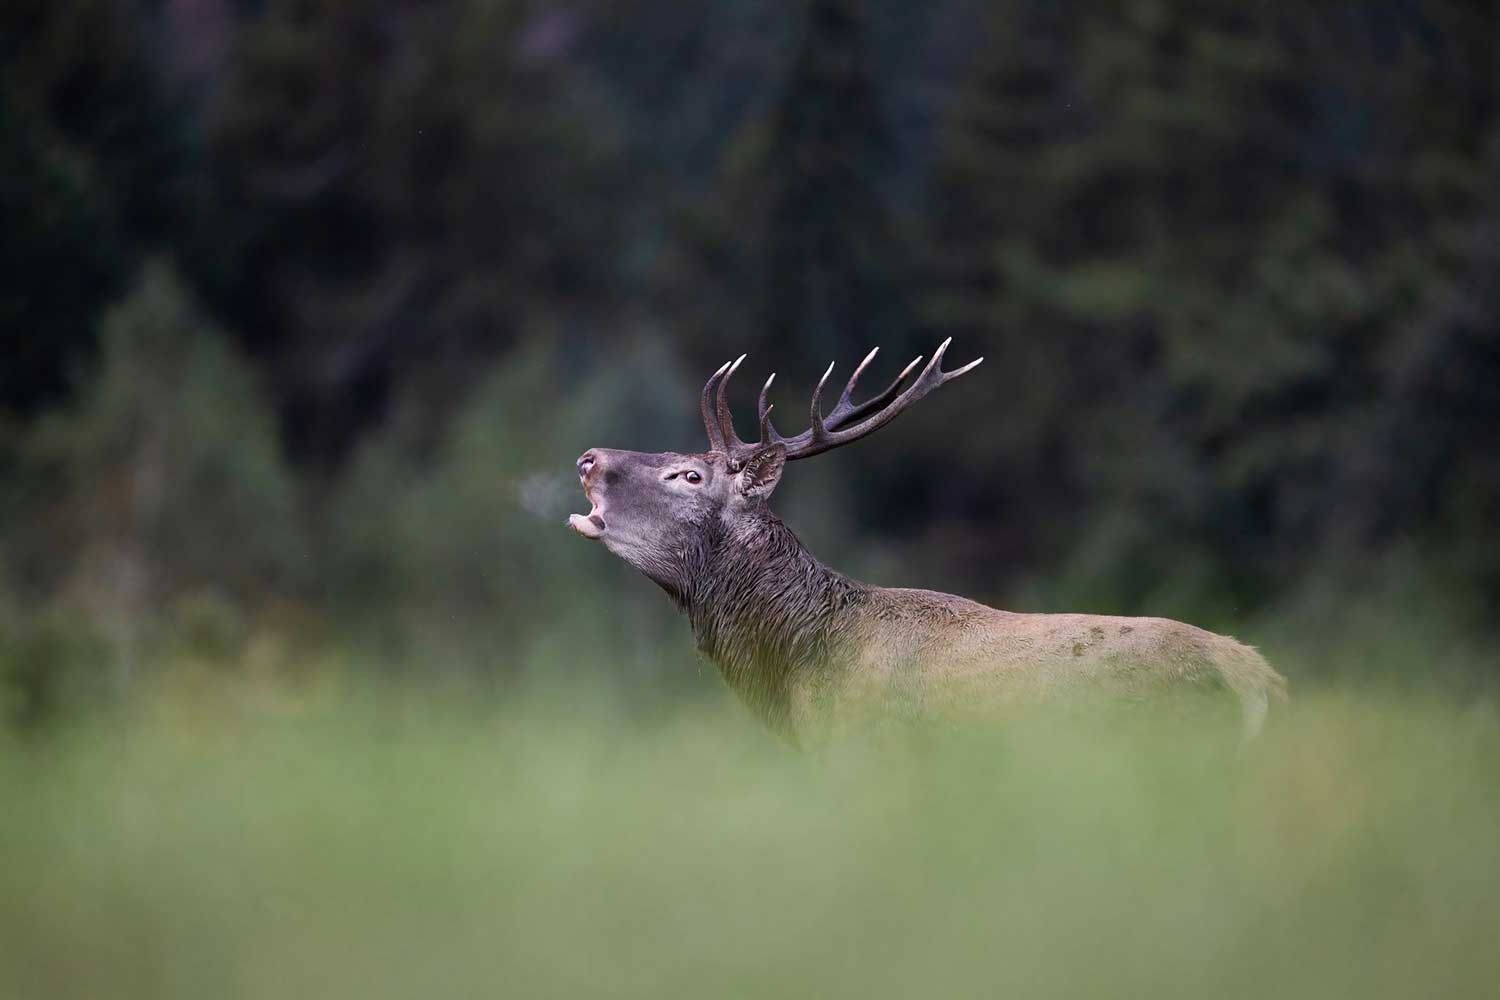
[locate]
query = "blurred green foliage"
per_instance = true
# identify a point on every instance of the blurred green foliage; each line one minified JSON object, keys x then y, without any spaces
{"x":308,"y":306}
{"x":331,"y":845}
{"x":1236,"y":252}
{"x":166,"y":475}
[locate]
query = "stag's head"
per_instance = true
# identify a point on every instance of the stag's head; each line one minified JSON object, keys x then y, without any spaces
{"x":662,"y":511}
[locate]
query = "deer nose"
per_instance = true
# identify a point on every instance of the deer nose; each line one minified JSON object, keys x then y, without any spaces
{"x":586,"y":462}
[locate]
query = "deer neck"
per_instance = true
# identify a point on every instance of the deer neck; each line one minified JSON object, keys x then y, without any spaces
{"x":768,"y":612}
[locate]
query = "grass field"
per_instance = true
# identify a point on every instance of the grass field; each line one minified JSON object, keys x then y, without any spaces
{"x":392,"y":847}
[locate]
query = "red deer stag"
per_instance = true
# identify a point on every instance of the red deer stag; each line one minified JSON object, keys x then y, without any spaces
{"x":810,"y":649}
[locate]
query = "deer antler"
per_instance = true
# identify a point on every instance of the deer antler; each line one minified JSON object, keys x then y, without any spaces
{"x":848,"y":421}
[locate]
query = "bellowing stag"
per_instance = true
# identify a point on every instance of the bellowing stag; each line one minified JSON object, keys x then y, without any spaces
{"x":810,"y":649}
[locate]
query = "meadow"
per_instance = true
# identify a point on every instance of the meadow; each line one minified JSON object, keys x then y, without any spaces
{"x":212,"y":841}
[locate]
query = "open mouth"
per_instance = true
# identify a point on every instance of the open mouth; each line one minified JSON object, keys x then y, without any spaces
{"x":590,"y":525}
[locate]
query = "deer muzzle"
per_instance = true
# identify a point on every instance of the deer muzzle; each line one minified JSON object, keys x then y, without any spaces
{"x":590,"y":525}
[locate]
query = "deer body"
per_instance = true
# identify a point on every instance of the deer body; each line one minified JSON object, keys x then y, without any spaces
{"x":811,"y":650}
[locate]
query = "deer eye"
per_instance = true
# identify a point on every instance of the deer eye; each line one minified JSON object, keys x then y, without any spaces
{"x":692,"y":477}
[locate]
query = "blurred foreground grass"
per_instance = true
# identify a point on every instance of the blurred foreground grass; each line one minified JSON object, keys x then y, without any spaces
{"x":388,"y":846}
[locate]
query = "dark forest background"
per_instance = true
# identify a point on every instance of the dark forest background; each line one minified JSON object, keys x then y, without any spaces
{"x":308,"y":307}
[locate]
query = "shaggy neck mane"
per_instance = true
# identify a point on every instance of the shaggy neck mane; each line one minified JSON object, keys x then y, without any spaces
{"x":764,"y":608}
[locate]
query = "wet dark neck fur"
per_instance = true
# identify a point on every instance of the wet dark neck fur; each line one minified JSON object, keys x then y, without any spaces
{"x":766,"y":610}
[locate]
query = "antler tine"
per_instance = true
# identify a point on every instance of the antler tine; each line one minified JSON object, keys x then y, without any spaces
{"x":732,"y":442}
{"x":844,"y":419}
{"x":768,"y":434}
{"x":819,"y":437}
{"x":818,"y":429}
{"x":950,"y":376}
{"x":843,"y":402}
{"x":710,"y":421}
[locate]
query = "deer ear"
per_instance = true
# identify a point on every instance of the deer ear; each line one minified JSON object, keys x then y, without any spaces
{"x":762,"y":472}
